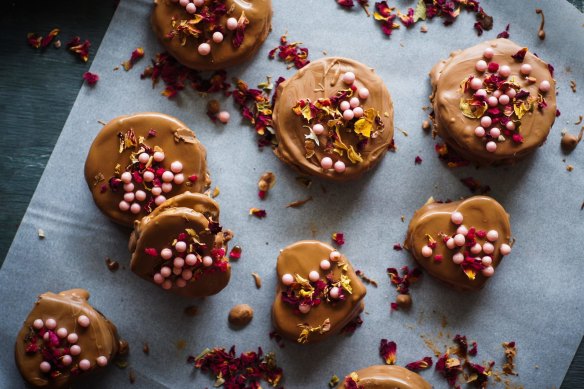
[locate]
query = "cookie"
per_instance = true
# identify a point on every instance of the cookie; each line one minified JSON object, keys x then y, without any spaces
{"x":64,"y":339}
{"x":462,"y":242}
{"x":318,"y":292}
{"x":384,"y":377}
{"x":494,"y":103}
{"x":212,"y":34}
{"x":333,"y":119}
{"x":138,"y":161}
{"x":181,"y":247}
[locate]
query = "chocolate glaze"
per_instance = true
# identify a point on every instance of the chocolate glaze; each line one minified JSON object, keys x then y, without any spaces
{"x":162,"y":226}
{"x":259,"y":13}
{"x":99,"y":339}
{"x":458,"y":130}
{"x":433,"y":218}
{"x":388,"y":377}
{"x":104,"y":155}
{"x":322,"y":79}
{"x":301,"y":258}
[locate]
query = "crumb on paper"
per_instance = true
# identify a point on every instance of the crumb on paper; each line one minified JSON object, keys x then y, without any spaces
{"x":299,"y":203}
{"x":191,"y":310}
{"x":102,"y":122}
{"x":41,"y":233}
{"x":257,"y":279}
{"x":215,"y":192}
{"x":569,"y":168}
{"x":146,"y":348}
{"x":573,"y":85}
{"x":111,"y":264}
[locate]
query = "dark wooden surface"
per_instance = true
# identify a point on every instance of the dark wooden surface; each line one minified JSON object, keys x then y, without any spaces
{"x":38,"y":89}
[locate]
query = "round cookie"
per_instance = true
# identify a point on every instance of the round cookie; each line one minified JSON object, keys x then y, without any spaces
{"x":384,"y":377}
{"x":138,"y":161}
{"x":181,"y":247}
{"x":462,"y":242}
{"x":494,"y":103}
{"x":333,"y":119}
{"x":318,"y":292}
{"x":63,"y":339}
{"x":218,"y":34}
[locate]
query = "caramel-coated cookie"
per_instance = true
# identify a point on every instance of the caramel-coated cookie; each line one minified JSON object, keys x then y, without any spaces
{"x":384,"y":377}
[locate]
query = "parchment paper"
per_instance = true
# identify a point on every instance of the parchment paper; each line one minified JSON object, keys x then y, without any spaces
{"x":534,"y":298}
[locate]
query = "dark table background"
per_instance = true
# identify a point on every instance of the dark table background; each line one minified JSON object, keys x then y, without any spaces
{"x":38,"y":89}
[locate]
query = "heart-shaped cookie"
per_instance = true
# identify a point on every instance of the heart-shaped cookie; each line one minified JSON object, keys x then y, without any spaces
{"x":384,"y":377}
{"x":461,"y":242}
{"x":318,"y":292}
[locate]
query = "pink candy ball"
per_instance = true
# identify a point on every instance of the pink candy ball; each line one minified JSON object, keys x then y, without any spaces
{"x":167,"y":176}
{"x":318,"y":129}
{"x":167,"y":284}
{"x":199,"y":3}
{"x":488,"y":248}
{"x":187,"y":274}
{"x":231,"y":24}
{"x":349,"y":78}
{"x":165,"y":272}
{"x":426,"y":251}
{"x":511,"y":92}
{"x":176,"y":167}
{"x":505,"y":249}
{"x":128,"y":187}
{"x":476,"y":83}
{"x":207,"y":261}
{"x":287,"y":279}
{"x":325,"y":264}
{"x":223,"y":116}
{"x":66,"y":360}
{"x":504,"y":99}
{"x":545,"y":86}
{"x":84,"y":364}
{"x":358,"y":112}
{"x":176,"y":271}
{"x":156,"y":191}
{"x":51,"y":324}
{"x":304,"y":308}
{"x":178,"y":262}
{"x":313,"y":276}
{"x":184,"y":3}
{"x":459,"y":240}
{"x":481,"y":92}
{"x":72,"y":338}
{"x":495,"y":132}
{"x":462,"y":230}
{"x":75,"y":350}
{"x":486,"y":121}
{"x":159,"y":200}
{"x":456,"y":218}
{"x":101,"y":361}
{"x":167,"y":186}
{"x":458,"y":258}
{"x":124,"y":206}
{"x":140,"y":195}
{"x":339,"y":166}
{"x":180,"y":247}
{"x":345,"y":105}
{"x":129,"y":197}
{"x":179,"y":179}
{"x":204,"y":49}
{"x":143,"y":157}
{"x":158,"y":279}
{"x":335,"y":292}
{"x":363,"y":93}
{"x":491,"y":147}
{"x":476,"y":248}
{"x":148,"y":176}
{"x":126,"y":177}
{"x":191,"y":259}
{"x":348,"y":114}
{"x":497,"y":93}
{"x":38,"y":324}
{"x":83,"y":321}
{"x":481,"y":66}
{"x":354,"y":102}
{"x":335,"y":256}
{"x":158,"y":156}
{"x":492,"y":101}
{"x":487,"y":260}
{"x":525,"y":69}
{"x":510,"y":125}
{"x":191,"y":8}
{"x":217,"y":37}
{"x":62,"y":332}
{"x":504,"y":71}
{"x":492,"y":235}
{"x":181,"y":283}
{"x":488,"y":53}
{"x":326,"y":163}
{"x":45,"y":366}
{"x":450,"y":243}
{"x":488,"y":271}
{"x":479,"y":131}
{"x":135,"y":208}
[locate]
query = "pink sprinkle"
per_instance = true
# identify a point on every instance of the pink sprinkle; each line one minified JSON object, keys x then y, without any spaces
{"x":511,"y":92}
{"x":167,"y":284}
{"x":525,"y":69}
{"x":349,"y":78}
{"x":75,"y":350}
{"x":304,"y":308}
{"x":481,"y":93}
{"x":179,"y":262}
{"x":335,"y":256}
{"x":313,"y":276}
{"x":84,"y":364}
{"x":128,"y":187}
{"x":462,"y":230}
{"x":487,"y":260}
{"x":358,"y":112}
{"x":135,"y":208}
{"x":187,"y":274}
{"x":545,"y":86}
{"x":38,"y":324}
{"x":101,"y":361}
{"x":481,"y":66}
{"x":345,"y":105}
{"x":510,"y":125}
{"x":83,"y":321}
{"x":231,"y":24}
{"x":158,"y":156}
{"x":287,"y":279}
{"x":326,"y":163}
{"x":156,"y":191}
{"x":45,"y":367}
{"x":504,"y":71}
{"x":62,"y":332}
{"x":504,"y":99}
{"x":140,"y":195}
{"x":456,"y":218}
{"x":72,"y":338}
{"x":51,"y":324}
{"x":488,"y":53}
{"x":339,"y":166}
{"x":488,"y":248}
{"x":335,"y":292}
{"x":148,"y":176}
{"x":66,"y":360}
{"x":181,"y":247}
{"x":505,"y":249}
{"x":191,"y":259}
{"x":204,"y":49}
{"x":158,"y":279}
{"x":167,"y":186}
{"x":492,"y":101}
{"x":488,"y":271}
{"x":165,"y":272}
{"x":184,"y":3}
{"x":476,"y":83}
{"x":191,"y":8}
{"x":318,"y":129}
{"x":126,"y":177}
{"x":167,"y":176}
{"x":223,"y":117}
{"x":348,"y":114}
{"x":354,"y":102}
{"x":129,"y":197}
{"x":491,"y":147}
{"x":486,"y":121}
{"x":159,"y":200}
{"x":495,"y":132}
{"x":143,"y":157}
{"x":207,"y":261}
{"x":458,"y":258}
{"x":427,"y":251}
{"x":497,"y":93}
{"x":476,"y":248}
{"x":181,"y":283}
{"x":176,"y":167}
{"x":179,"y":179}
{"x":479,"y":131}
{"x":363,"y":93}
{"x":199,"y":3}
{"x":217,"y":37}
{"x":450,"y":243}
{"x":459,"y":240}
{"x":325,"y":264}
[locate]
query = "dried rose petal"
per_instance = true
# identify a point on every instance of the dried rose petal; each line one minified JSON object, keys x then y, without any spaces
{"x":291,"y":53}
{"x":387,"y":351}
{"x":79,"y":48}
{"x":422,"y":364}
{"x":338,"y":238}
{"x":137,"y":54}
{"x":259,"y":213}
{"x":90,"y":78}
